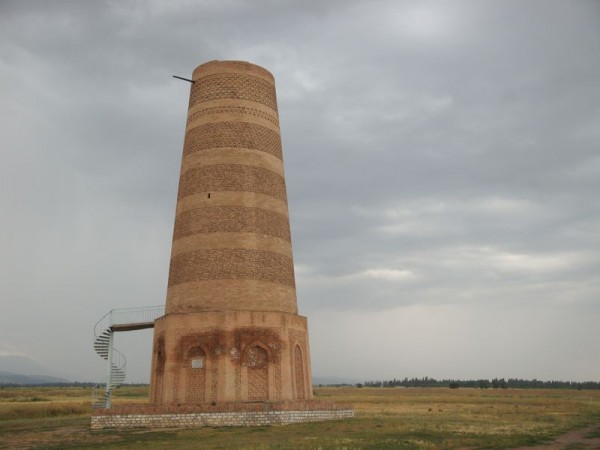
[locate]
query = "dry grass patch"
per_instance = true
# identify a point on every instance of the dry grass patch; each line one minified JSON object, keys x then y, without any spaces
{"x":386,"y":418}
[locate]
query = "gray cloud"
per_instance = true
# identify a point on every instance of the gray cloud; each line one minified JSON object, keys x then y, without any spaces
{"x":441,"y":160}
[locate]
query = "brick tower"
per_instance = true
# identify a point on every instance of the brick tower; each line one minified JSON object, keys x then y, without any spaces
{"x":231,"y":330}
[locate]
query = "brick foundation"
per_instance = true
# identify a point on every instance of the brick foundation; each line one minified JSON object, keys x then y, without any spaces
{"x":221,"y":415}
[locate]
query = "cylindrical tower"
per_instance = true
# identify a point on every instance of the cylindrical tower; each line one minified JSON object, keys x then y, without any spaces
{"x":231,"y":330}
{"x":231,"y":243}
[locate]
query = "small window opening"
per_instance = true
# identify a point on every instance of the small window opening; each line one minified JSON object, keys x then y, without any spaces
{"x":209,"y":195}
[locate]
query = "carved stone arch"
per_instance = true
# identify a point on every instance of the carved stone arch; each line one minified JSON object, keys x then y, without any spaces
{"x":299,"y":373}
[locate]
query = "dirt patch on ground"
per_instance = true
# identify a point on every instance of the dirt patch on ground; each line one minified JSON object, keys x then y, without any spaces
{"x":584,"y":438}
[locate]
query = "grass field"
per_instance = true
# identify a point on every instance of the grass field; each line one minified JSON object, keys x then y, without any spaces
{"x":385,"y":418}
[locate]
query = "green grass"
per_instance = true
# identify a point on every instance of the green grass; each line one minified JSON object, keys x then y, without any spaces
{"x":593,"y":435}
{"x":385,"y":418}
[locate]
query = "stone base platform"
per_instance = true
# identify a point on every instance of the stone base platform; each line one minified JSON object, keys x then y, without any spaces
{"x":230,"y":414}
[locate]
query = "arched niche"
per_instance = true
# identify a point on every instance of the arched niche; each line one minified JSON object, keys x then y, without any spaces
{"x":299,"y":373}
{"x":195,"y":374}
{"x":257,"y":360}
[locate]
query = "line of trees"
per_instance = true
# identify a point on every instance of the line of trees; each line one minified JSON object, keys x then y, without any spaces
{"x":496,"y":383}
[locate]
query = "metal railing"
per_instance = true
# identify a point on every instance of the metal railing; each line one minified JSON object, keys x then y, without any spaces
{"x":135,"y":315}
{"x":124,"y":316}
{"x":102,"y":392}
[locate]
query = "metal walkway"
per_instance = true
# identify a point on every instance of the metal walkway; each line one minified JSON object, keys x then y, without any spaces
{"x":126,"y":319}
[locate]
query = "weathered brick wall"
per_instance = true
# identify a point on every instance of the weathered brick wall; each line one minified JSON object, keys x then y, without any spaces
{"x":231,"y":177}
{"x":232,"y":219}
{"x":248,"y":356}
{"x":256,"y":113}
{"x":234,"y":85}
{"x":231,"y":263}
{"x":232,"y":134}
{"x":299,"y":375}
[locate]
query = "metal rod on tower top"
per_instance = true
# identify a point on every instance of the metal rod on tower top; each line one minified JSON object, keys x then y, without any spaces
{"x":184,"y":79}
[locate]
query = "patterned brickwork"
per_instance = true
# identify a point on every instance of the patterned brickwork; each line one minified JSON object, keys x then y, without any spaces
{"x":238,"y":382}
{"x":196,"y":377}
{"x":258,"y":384}
{"x":159,"y":368}
{"x":233,"y":135}
{"x":231,"y":177}
{"x":299,"y":373}
{"x":229,"y":219}
{"x":187,"y":339}
{"x":196,"y":385}
{"x":199,"y":265}
{"x":233,"y":85}
{"x":233,"y":344}
{"x":297,"y":341}
{"x":234,"y":110}
{"x":244,"y":67}
{"x":277,"y":377}
{"x":242,"y":156}
{"x":258,"y":373}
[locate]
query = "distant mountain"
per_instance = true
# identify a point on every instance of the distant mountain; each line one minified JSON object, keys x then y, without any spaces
{"x":22,"y":370}
{"x":16,"y":378}
{"x":21,"y":364}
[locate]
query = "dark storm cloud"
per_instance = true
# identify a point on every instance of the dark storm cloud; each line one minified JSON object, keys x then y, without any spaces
{"x":440,"y":156}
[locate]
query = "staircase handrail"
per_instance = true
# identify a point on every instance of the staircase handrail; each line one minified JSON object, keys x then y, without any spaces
{"x":142,"y":317}
{"x":122,"y":316}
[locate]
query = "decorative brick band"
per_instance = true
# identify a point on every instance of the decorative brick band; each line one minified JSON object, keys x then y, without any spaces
{"x":272,"y":118}
{"x":233,"y":85}
{"x":236,"y":264}
{"x":234,"y":135}
{"x":231,"y":240}
{"x":235,"y":219}
{"x":212,"y":67}
{"x":231,"y":177}
{"x":225,"y":155}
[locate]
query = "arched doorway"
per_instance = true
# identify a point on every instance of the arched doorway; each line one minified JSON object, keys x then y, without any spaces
{"x":257,"y":361}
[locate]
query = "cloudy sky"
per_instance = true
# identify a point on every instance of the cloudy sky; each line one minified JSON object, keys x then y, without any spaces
{"x":442,"y":163}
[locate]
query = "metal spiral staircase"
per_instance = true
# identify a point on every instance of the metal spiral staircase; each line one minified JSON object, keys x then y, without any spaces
{"x":126,"y":319}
